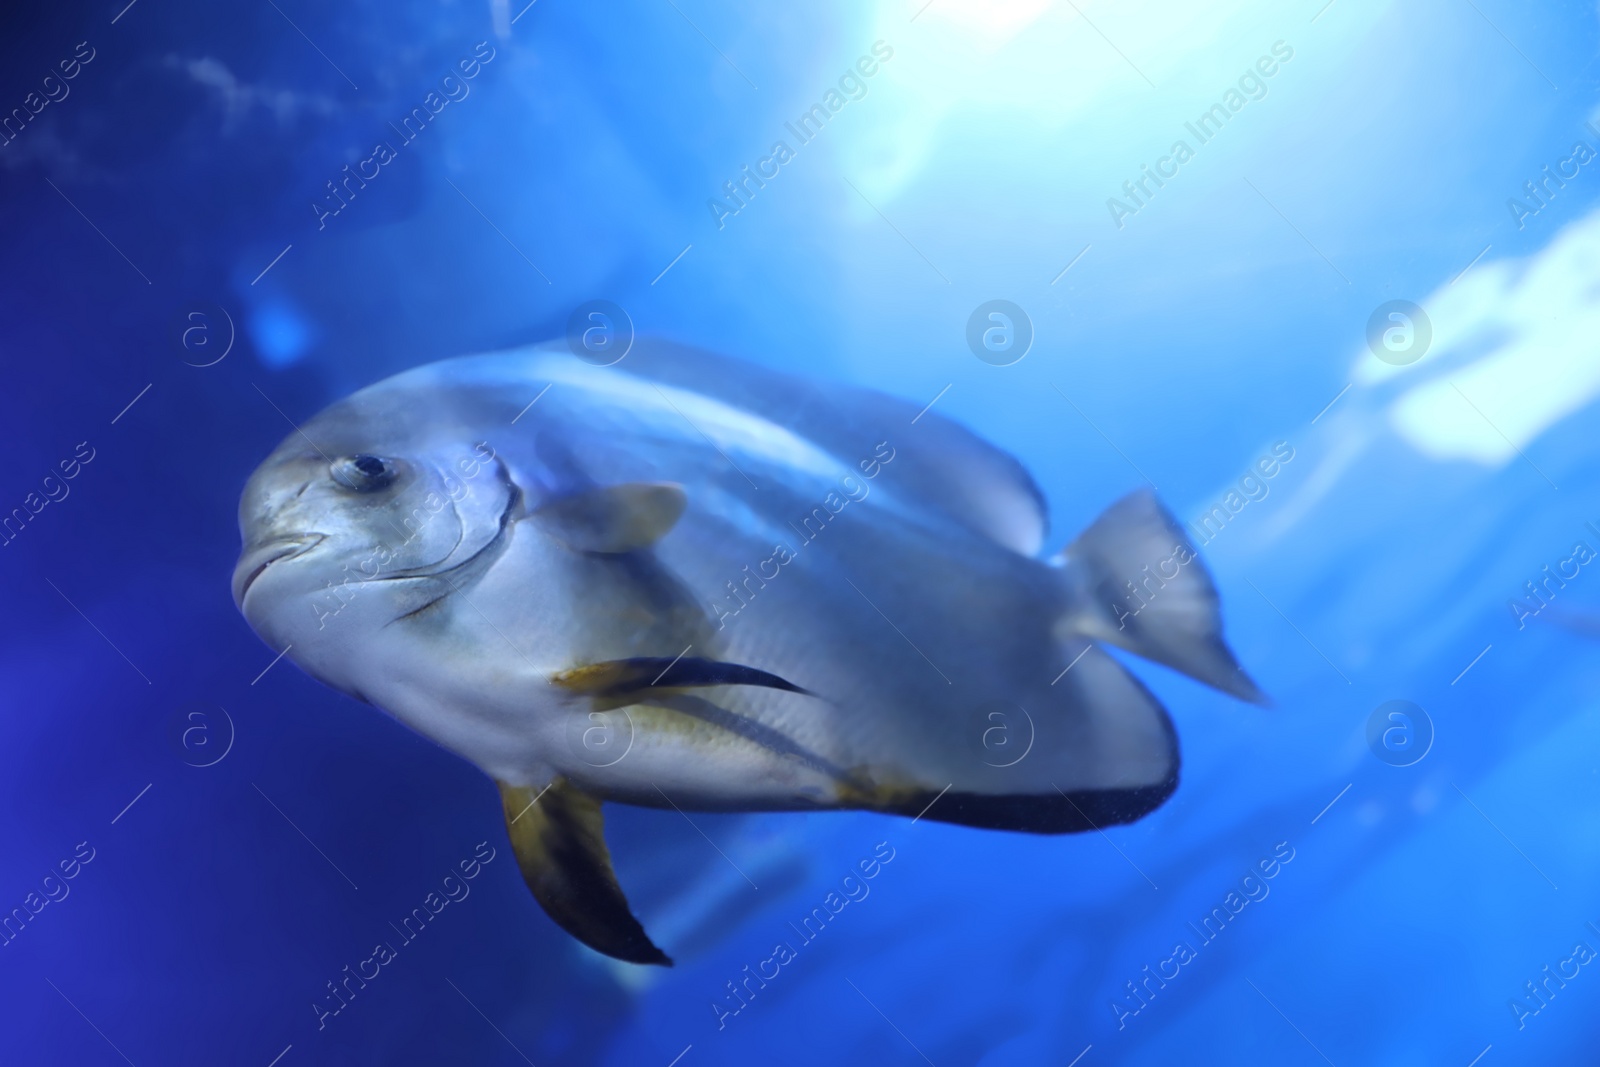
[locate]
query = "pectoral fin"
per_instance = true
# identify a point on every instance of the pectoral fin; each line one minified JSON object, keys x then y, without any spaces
{"x":618,"y":677}
{"x":613,"y":518}
{"x":560,"y":847}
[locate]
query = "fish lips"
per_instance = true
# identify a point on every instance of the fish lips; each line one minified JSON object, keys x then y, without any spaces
{"x":256,"y":558}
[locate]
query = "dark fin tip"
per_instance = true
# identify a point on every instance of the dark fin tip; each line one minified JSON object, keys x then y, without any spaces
{"x":1043,"y":813}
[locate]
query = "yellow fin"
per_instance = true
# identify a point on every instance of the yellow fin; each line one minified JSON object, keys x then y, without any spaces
{"x":560,"y":847}
{"x":619,"y":677}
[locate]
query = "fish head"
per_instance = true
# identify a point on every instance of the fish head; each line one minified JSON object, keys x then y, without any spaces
{"x":363,"y":516}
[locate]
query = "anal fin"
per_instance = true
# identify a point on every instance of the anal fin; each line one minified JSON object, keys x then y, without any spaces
{"x":560,"y":847}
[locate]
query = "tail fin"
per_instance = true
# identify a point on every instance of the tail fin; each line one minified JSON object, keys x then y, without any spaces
{"x":1138,"y":584}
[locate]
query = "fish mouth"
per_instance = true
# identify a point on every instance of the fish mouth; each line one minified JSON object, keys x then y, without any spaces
{"x":256,"y":558}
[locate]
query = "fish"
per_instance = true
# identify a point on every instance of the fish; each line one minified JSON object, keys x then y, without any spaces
{"x":684,"y":581}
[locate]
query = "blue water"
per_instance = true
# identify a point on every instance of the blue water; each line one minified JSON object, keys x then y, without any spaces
{"x":181,"y":171}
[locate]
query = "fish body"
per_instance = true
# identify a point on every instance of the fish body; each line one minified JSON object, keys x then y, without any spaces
{"x":687,"y":581}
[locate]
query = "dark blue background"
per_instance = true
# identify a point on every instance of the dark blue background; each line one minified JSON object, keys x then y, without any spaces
{"x":1222,"y":318}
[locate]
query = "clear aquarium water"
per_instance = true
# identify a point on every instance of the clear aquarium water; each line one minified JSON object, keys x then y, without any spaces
{"x":1324,"y":275}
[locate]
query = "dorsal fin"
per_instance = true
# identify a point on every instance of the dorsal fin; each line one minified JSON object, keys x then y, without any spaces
{"x":936,"y":462}
{"x":559,"y":840}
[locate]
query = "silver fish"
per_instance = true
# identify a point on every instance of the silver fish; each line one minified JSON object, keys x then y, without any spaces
{"x":684,"y":580}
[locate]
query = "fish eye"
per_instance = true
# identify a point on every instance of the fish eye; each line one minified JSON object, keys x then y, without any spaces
{"x":363,"y":472}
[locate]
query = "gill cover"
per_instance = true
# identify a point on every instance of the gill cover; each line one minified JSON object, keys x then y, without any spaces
{"x":432,"y":517}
